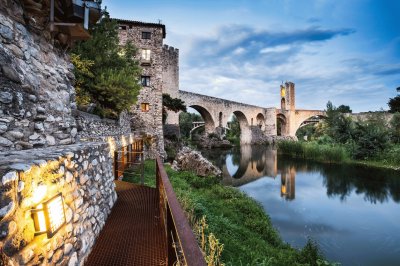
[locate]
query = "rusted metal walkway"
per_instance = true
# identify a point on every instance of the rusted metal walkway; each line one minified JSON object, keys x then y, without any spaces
{"x":147,"y":226}
{"x":133,"y":234}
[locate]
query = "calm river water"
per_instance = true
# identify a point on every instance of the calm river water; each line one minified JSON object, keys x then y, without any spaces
{"x":353,"y":212}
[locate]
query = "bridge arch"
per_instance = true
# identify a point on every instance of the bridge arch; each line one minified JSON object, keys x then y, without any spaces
{"x":245,"y":132}
{"x":260,"y":120}
{"x":313,"y":119}
{"x":281,"y":123}
{"x":209,"y":123}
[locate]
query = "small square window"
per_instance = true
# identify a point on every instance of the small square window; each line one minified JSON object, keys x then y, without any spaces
{"x":146,"y":55}
{"x":145,"y":80}
{"x":146,"y":35}
{"x":145,"y":107}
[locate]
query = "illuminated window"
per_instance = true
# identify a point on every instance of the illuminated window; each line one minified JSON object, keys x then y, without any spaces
{"x":145,"y":80}
{"x":146,"y":35}
{"x":145,"y":107}
{"x":146,"y":54}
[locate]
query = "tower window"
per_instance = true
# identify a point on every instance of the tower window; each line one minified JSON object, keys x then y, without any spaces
{"x":146,"y":55}
{"x":145,"y":80}
{"x":145,"y":107}
{"x":146,"y":35}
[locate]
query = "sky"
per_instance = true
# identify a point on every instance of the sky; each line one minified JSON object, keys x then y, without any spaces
{"x":344,"y":51}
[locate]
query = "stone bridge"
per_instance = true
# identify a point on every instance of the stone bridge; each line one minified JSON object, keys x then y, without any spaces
{"x":253,"y":120}
{"x":216,"y":113}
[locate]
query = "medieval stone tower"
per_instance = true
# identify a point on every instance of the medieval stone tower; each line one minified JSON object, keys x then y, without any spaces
{"x":285,"y":116}
{"x":160,"y":74}
{"x":287,"y":96}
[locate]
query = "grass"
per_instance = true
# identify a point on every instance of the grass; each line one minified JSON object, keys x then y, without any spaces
{"x":237,"y":221}
{"x":314,"y":151}
{"x":336,"y":153}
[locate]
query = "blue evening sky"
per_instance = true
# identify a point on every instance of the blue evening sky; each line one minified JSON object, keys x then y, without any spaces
{"x":346,"y":51}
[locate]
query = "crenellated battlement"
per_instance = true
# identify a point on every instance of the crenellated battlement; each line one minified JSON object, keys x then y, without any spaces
{"x":170,"y":51}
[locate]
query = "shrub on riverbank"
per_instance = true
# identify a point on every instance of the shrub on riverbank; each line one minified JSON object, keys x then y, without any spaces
{"x":236,"y":220}
{"x":314,"y":151}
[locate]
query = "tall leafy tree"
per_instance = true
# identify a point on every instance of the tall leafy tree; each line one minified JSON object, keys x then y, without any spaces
{"x":394,"y":104}
{"x":338,"y":125}
{"x":107,"y":73}
{"x":344,"y":109}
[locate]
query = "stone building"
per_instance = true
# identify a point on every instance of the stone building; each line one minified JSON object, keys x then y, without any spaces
{"x":160,"y":74}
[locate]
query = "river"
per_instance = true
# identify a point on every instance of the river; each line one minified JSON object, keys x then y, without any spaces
{"x":351,"y":211}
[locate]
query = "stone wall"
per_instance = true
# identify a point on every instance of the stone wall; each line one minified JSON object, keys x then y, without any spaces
{"x":92,"y":126}
{"x":36,"y":92}
{"x":82,"y":173}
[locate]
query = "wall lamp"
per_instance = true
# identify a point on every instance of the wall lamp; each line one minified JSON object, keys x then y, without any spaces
{"x":49,"y":216}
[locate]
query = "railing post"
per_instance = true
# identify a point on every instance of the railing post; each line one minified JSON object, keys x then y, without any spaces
{"x":142,"y":168}
{"x":116,"y":165}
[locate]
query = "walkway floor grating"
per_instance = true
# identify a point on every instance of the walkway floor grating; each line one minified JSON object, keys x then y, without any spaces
{"x":132,"y":234}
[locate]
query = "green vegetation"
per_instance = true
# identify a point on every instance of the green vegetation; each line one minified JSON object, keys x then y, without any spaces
{"x":314,"y":151}
{"x":107,"y":74}
{"x":236,"y":221}
{"x":339,"y":138}
{"x":185,"y":124}
{"x":394,"y":103}
{"x":233,"y":135}
{"x":171,"y":104}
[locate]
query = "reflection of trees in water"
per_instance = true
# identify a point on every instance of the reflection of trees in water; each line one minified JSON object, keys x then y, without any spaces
{"x":216,"y":156}
{"x":377,"y":185}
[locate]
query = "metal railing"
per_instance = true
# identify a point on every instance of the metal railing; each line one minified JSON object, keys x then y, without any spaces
{"x":129,"y":156}
{"x":182,"y":244}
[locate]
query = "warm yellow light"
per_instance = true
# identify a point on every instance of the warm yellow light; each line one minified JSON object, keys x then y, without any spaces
{"x":41,"y":220}
{"x":283,"y":92}
{"x":49,"y":216}
{"x":38,"y":194}
{"x":55,"y":211}
{"x":283,"y":189}
{"x":123,"y":141}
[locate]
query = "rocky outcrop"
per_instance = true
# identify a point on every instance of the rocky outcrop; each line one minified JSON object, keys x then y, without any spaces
{"x":209,"y":142}
{"x":190,"y":160}
{"x":259,"y":138}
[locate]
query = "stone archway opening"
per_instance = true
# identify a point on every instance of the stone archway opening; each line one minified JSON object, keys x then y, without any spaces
{"x":281,"y":124}
{"x":239,"y":128}
{"x":195,"y":122}
{"x":260,"y":121}
{"x":209,"y":123}
{"x":310,"y":127}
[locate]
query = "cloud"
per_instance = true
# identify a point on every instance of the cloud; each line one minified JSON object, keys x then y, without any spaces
{"x":246,"y":64}
{"x":245,"y":41}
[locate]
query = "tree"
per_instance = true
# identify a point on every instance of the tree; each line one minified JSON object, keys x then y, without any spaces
{"x":370,"y":138}
{"x":339,"y":127}
{"x":394,"y":104}
{"x":344,"y":109}
{"x":186,"y":121}
{"x":395,"y":128}
{"x":172,"y":104}
{"x":233,"y":135}
{"x":107,"y":73}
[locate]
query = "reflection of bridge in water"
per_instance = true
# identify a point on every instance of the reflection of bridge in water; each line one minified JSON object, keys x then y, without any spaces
{"x":254,"y":162}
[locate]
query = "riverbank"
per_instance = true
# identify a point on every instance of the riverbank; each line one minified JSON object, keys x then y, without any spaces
{"x":236,"y":220}
{"x":335,"y":153}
